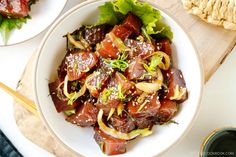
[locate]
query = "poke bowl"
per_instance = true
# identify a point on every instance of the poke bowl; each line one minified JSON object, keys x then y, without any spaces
{"x":125,"y":83}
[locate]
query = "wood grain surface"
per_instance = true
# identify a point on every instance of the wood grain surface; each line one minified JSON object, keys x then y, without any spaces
{"x":213,"y":43}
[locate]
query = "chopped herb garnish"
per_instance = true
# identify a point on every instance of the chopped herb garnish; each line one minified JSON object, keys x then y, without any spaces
{"x":106,"y":93}
{"x":155,"y":61}
{"x":146,"y":34}
{"x":119,"y":63}
{"x":120,"y":94}
{"x":74,"y":85}
{"x":70,"y":112}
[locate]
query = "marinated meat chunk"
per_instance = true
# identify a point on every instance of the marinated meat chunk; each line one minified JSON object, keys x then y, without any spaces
{"x":14,"y":8}
{"x":78,"y":64}
{"x":108,"y":144}
{"x":62,"y":69}
{"x":122,"y":123}
{"x":118,"y":89}
{"x":96,"y":81}
{"x":121,"y":32}
{"x":106,"y":106}
{"x":123,"y":84}
{"x":139,"y":48}
{"x":164,"y":45}
{"x":95,"y":34}
{"x":147,"y":106}
{"x":108,"y":99}
{"x":176,"y":85}
{"x":59,"y":99}
{"x":135,"y":70}
{"x":143,"y":122}
{"x":107,"y":49}
{"x":167,"y":110}
{"x":133,"y":23}
{"x":86,"y":115}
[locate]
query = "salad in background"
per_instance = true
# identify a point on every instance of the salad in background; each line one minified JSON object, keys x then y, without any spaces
{"x":13,"y":14}
{"x":117,"y":75}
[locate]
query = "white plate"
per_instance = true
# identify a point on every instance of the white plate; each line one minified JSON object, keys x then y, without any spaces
{"x":43,"y":13}
{"x":80,"y":139}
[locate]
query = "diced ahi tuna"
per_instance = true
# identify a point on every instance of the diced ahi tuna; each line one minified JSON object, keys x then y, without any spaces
{"x":79,"y":64}
{"x":122,"y":123}
{"x":124,"y":83}
{"x":133,"y":23}
{"x":58,"y":98}
{"x":164,"y":45}
{"x":121,"y":32}
{"x":96,"y":81}
{"x":147,"y":107}
{"x":143,"y":122}
{"x":95,"y":34}
{"x":108,"y":144}
{"x":86,"y":115}
{"x":176,"y":85}
{"x":167,"y":110}
{"x":135,"y":70}
{"x":14,"y":8}
{"x":107,"y":49}
{"x":139,"y":48}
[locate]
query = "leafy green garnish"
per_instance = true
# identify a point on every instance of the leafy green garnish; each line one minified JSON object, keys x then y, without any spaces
{"x":146,"y":34}
{"x":119,"y":63}
{"x":69,"y":112}
{"x":155,"y":61}
{"x":113,"y":12}
{"x":73,"y":98}
{"x":120,"y":93}
{"x":106,"y":93}
{"x":8,"y":24}
{"x":107,"y":14}
{"x":74,"y":85}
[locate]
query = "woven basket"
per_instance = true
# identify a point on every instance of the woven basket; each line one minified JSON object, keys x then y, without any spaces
{"x":217,"y":12}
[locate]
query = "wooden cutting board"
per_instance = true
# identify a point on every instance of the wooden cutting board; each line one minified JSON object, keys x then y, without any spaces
{"x":213,"y":44}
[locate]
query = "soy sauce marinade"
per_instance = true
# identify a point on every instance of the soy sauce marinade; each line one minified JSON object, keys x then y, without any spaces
{"x":223,"y":145}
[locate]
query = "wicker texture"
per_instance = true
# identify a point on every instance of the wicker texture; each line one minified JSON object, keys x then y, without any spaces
{"x":217,"y":12}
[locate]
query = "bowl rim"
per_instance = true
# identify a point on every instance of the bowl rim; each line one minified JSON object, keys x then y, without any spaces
{"x":211,"y":136}
{"x":37,"y":34}
{"x":71,"y":11}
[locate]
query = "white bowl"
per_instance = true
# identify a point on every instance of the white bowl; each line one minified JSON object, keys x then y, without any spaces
{"x":80,"y":140}
{"x":43,"y":13}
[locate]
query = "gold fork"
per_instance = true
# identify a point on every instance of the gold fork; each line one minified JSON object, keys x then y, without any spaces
{"x":22,"y":100}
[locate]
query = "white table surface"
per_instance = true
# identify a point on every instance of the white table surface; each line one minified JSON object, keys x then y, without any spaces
{"x":217,"y":108}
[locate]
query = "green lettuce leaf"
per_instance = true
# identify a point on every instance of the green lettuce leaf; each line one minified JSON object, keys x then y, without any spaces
{"x":8,"y":24}
{"x":107,"y":14}
{"x":113,"y":12}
